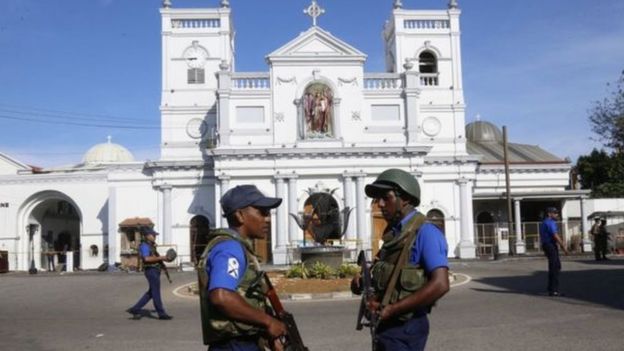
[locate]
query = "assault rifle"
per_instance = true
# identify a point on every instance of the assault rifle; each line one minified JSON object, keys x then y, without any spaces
{"x":293,"y":341}
{"x":366,"y":317}
{"x":163,"y":267}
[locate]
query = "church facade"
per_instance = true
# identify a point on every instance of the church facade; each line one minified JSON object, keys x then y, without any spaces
{"x":316,"y":122}
{"x":313,"y":128}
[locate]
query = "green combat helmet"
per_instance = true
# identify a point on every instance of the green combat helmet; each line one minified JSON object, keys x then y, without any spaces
{"x":394,"y":179}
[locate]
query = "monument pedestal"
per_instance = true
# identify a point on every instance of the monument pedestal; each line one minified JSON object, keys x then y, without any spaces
{"x":329,"y":255}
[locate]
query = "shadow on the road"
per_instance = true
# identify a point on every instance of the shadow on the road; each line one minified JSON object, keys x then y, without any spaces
{"x":597,"y":286}
{"x":607,"y":262}
{"x":143,"y":314}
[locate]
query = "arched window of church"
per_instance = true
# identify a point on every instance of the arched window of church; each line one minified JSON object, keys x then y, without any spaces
{"x":317,"y":106}
{"x":427,"y":62}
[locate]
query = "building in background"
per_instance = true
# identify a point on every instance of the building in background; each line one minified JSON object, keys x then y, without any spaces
{"x":313,"y":129}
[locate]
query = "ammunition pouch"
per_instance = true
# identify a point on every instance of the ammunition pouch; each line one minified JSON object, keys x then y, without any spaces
{"x":216,"y":326}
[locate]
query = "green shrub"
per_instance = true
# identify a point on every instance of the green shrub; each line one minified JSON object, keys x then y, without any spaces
{"x":321,"y":270}
{"x":298,"y":271}
{"x":347,"y":270}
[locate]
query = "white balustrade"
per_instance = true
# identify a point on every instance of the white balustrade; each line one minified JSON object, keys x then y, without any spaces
{"x":383,"y":81}
{"x":426,"y":24}
{"x":196,"y":23}
{"x":251,"y":81}
{"x":428,"y":79}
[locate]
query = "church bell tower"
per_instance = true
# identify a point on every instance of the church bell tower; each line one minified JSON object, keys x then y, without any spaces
{"x":196,"y":44}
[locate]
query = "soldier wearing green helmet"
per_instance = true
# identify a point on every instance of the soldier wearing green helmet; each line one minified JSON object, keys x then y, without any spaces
{"x":410,"y":272}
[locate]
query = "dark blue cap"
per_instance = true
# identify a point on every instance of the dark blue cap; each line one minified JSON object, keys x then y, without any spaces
{"x":552,"y":210}
{"x":242,"y":196}
{"x":148,"y":231}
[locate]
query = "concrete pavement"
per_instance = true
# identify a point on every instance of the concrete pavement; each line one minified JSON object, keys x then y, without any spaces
{"x":503,"y":307}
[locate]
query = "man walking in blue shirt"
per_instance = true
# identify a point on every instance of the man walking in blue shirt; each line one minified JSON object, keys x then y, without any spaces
{"x":549,"y":236}
{"x":151,"y":266}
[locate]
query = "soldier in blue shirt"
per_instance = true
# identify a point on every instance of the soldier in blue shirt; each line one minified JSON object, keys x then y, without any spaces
{"x":233,"y":305}
{"x":549,"y":236}
{"x":151,"y":267}
{"x":414,"y":250}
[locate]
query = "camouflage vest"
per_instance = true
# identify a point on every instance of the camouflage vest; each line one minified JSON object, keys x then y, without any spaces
{"x":215,"y":325}
{"x":152,"y":252}
{"x":411,"y":277}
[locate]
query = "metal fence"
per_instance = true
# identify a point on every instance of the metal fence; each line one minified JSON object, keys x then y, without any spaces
{"x":493,"y":239}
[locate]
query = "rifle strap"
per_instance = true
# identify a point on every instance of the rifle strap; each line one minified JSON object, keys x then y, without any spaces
{"x":412,"y":228}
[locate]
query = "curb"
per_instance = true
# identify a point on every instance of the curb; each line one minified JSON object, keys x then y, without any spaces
{"x":347,"y":295}
{"x":340,"y":295}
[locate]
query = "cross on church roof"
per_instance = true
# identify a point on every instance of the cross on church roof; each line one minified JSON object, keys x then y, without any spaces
{"x":314,"y":11}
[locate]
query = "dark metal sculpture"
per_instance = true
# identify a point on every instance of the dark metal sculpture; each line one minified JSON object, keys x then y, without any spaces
{"x":325,"y":221}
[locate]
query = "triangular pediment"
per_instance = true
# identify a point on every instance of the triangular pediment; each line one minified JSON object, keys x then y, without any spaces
{"x":9,"y":165}
{"x":318,"y":44}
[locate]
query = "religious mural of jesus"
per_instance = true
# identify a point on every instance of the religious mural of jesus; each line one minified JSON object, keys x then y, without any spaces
{"x":317,"y":108}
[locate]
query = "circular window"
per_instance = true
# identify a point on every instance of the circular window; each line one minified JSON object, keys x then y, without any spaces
{"x":431,"y":126}
{"x":196,"y":128}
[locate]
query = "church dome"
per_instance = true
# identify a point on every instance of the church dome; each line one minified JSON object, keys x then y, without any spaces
{"x":482,"y":131}
{"x":107,"y":153}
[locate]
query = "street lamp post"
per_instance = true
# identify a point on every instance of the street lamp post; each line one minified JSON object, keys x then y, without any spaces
{"x":32,"y":229}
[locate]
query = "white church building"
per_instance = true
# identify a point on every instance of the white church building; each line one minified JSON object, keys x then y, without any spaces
{"x":314,"y":125}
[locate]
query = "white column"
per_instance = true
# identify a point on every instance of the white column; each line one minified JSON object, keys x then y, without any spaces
{"x":223,"y":105}
{"x":336,"y":120}
{"x":225,"y":186}
{"x":348,"y":203}
{"x":467,"y":247}
{"x":280,"y":215}
{"x":293,"y":206}
{"x":158,"y":221}
{"x":167,"y":215}
{"x":113,"y":252}
{"x":412,"y":94}
{"x":281,"y":233}
{"x":69,"y":261}
{"x":363,"y":236}
{"x":585,"y":232}
{"x":520,"y":244}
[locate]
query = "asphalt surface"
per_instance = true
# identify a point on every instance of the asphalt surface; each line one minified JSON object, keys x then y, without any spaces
{"x":502,"y":307}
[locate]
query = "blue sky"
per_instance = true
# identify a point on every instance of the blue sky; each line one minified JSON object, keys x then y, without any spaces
{"x":535,"y":66}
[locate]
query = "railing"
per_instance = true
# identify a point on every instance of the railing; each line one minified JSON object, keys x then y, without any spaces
{"x":251,"y":81}
{"x":383,"y":81}
{"x":487,"y":241}
{"x":428,"y":79}
{"x":196,"y":23}
{"x":426,"y":24}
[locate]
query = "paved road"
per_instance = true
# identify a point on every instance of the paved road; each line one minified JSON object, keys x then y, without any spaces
{"x":501,"y":308}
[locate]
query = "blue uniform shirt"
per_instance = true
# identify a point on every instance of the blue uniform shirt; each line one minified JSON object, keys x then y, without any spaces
{"x":430,"y":250}
{"x":226,"y":265}
{"x":144,"y":249}
{"x":548,"y":229}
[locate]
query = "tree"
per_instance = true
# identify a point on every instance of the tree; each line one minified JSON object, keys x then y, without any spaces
{"x":603,"y":173}
{"x":607,"y":118}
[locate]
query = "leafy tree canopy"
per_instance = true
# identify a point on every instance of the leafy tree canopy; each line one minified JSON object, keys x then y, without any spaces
{"x":603,"y":173}
{"x":600,"y":171}
{"x":607,"y":117}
